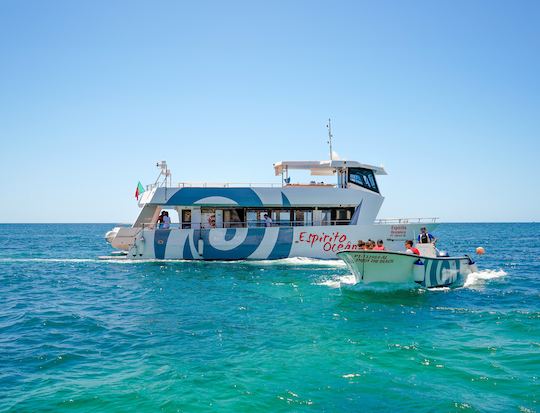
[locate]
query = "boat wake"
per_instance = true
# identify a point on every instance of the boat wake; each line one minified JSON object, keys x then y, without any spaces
{"x":78,"y":260}
{"x":338,"y":281}
{"x":45,"y":260}
{"x":477,"y":280}
{"x":348,"y":283}
{"x":295,"y":261}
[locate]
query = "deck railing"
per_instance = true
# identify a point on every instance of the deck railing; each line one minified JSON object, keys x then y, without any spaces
{"x":228,"y":185}
{"x":430,"y":220}
{"x":149,"y":187}
{"x":247,"y":224}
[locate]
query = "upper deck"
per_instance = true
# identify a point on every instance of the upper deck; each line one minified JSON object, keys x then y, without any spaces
{"x":348,"y":173}
{"x":353,"y":199}
{"x":324,"y":168}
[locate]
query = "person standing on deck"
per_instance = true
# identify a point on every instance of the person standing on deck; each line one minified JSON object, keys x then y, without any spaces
{"x":160,"y":220}
{"x":166,"y":220}
{"x":267,"y":220}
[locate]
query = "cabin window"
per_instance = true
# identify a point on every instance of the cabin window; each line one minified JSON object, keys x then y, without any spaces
{"x":233,"y":218}
{"x":255,"y":217}
{"x":326,"y":216}
{"x":252,"y":220}
{"x":208,"y":218}
{"x":186,"y":218}
{"x":342,"y":216}
{"x":364,"y":178}
{"x":303,"y":217}
{"x":281,"y":217}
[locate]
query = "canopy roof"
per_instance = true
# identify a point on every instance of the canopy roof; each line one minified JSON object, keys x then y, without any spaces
{"x":324,"y":168}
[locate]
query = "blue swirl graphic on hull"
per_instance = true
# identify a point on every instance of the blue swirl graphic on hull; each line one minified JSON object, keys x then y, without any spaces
{"x":160,"y":242}
{"x":245,"y":197}
{"x":253,"y":238}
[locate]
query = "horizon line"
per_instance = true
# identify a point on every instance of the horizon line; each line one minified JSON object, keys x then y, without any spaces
{"x":127,"y":223}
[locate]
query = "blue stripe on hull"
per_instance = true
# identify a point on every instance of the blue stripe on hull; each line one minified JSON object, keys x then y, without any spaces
{"x":160,"y":242}
{"x":240,"y":196}
{"x":434,"y":272}
{"x":283,"y":245}
{"x":253,"y":239}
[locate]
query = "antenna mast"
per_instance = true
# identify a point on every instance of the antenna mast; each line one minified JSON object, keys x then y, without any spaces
{"x":330,"y":136}
{"x":165,"y":172}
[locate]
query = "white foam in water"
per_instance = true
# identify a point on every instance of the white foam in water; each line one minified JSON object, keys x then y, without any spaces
{"x":78,"y":260}
{"x":478,"y":279}
{"x":121,"y":260}
{"x":48,"y":260}
{"x":305,"y":261}
{"x":475,"y":280}
{"x":338,"y":281}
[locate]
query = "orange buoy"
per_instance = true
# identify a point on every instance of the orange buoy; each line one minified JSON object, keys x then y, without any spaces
{"x":480,"y":250}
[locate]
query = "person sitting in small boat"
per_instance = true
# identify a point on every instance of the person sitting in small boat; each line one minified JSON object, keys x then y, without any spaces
{"x":369,"y":245}
{"x":425,"y":237}
{"x":379,"y":246}
{"x":361,"y":245}
{"x":410,"y":249}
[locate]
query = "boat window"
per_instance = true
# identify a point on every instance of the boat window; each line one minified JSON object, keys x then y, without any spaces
{"x":233,"y":218}
{"x":252,"y":218}
{"x":208,"y":218}
{"x":186,"y":218}
{"x":364,"y":178}
{"x":340,"y":216}
{"x":298,"y":217}
{"x":326,"y":216}
{"x":281,"y":217}
{"x":303,"y":217}
{"x":255,"y":217}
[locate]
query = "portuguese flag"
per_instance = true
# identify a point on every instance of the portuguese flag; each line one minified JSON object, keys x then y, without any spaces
{"x":139,"y":190}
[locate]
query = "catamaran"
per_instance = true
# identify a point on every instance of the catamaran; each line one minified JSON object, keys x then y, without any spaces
{"x":229,"y":221}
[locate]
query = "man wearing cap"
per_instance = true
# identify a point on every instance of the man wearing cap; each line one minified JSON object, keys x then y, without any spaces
{"x":425,"y":237}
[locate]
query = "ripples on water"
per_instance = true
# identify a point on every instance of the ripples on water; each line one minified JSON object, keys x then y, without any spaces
{"x":79,"y":334}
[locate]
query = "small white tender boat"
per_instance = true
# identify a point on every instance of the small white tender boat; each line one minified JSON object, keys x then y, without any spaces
{"x":427,"y":269}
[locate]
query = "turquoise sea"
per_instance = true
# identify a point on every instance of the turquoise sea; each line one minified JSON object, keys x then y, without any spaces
{"x":79,"y":334}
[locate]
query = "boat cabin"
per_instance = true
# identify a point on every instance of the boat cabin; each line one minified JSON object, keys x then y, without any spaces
{"x":233,"y":205}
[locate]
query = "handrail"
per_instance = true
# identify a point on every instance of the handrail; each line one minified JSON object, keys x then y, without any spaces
{"x":406,"y":220}
{"x":227,"y":184}
{"x":149,"y":187}
{"x":248,"y":224}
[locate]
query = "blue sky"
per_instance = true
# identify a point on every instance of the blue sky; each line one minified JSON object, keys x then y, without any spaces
{"x":446,"y":95}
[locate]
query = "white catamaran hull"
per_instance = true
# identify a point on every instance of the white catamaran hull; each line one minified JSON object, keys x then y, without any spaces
{"x":257,"y":243}
{"x":395,"y":267}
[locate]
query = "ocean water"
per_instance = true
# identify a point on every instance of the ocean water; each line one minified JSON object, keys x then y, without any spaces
{"x":79,"y":334}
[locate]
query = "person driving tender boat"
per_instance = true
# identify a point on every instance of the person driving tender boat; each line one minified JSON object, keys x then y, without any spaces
{"x":425,"y":237}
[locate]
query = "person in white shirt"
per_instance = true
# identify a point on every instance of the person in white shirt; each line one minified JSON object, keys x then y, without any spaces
{"x":166,"y":220}
{"x":267,"y":221}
